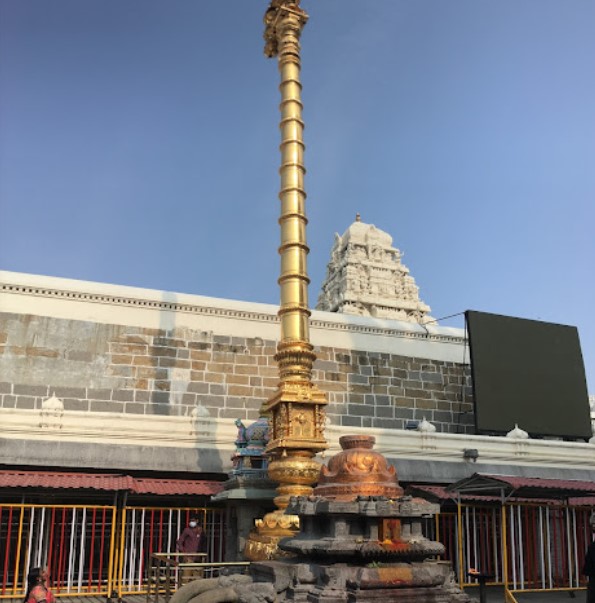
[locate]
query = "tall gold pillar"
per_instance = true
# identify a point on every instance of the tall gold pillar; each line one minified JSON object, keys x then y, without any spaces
{"x":296,"y":410}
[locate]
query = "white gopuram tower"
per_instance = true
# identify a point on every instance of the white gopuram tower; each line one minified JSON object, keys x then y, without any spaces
{"x":365,"y":277}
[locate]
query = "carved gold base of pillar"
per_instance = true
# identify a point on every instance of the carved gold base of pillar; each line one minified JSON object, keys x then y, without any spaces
{"x":263,"y":541}
{"x":296,"y":471}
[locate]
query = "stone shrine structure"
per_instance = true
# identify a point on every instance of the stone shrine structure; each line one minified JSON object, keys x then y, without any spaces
{"x":250,"y":458}
{"x":248,"y":493}
{"x":360,"y":540}
{"x":366,"y":277}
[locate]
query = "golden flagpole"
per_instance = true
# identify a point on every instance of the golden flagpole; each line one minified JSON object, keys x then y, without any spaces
{"x":296,"y":410}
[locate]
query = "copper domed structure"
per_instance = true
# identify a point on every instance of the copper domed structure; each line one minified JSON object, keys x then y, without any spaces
{"x":358,"y":471}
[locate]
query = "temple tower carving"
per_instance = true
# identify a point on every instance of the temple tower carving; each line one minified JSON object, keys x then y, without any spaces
{"x":366,"y":277}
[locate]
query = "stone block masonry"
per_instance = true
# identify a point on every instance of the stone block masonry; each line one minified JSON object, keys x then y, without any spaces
{"x":154,"y":380}
{"x":97,"y":367}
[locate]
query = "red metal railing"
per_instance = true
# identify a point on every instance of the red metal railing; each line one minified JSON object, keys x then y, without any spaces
{"x":93,"y":549}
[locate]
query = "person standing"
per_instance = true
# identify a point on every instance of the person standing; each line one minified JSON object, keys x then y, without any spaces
{"x":37,"y":591}
{"x":192,"y":540}
{"x":589,"y":565}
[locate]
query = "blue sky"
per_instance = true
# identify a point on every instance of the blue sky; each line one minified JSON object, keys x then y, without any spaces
{"x":139,"y":146}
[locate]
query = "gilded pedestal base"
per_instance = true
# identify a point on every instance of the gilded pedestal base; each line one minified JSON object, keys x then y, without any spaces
{"x":295,"y":472}
{"x":262,"y":545}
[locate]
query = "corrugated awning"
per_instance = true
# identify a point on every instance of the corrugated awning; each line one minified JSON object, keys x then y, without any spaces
{"x":107,"y":482}
{"x":582,"y":501}
{"x":146,"y":485}
{"x":442,"y":494}
{"x":524,"y":487}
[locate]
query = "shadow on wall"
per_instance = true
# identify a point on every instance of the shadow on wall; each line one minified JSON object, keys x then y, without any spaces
{"x":172,"y":362}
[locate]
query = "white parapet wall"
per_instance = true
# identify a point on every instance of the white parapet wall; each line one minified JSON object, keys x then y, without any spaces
{"x":116,"y":304}
{"x":172,"y":436}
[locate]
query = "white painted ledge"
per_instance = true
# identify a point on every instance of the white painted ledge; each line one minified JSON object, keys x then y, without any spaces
{"x":175,"y":433}
{"x":146,"y":308}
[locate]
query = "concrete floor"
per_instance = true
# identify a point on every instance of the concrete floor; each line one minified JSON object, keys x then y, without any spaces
{"x":495,"y":594}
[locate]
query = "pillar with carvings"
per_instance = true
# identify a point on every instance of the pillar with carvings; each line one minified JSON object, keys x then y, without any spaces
{"x":296,"y":409}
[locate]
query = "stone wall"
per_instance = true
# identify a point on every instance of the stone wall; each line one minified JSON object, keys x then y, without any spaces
{"x":153,"y":381}
{"x":99,"y":367}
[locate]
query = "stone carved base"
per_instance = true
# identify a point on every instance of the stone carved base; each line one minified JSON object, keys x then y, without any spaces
{"x":424,"y":582}
{"x":402,"y":595}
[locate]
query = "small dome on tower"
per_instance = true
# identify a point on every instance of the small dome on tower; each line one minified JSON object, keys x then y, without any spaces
{"x":517,"y":433}
{"x":360,"y":232}
{"x":53,"y":403}
{"x":257,"y":434}
{"x":426,"y":427}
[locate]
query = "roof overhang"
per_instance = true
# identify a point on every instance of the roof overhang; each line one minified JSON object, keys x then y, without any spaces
{"x":108,"y":482}
{"x":506,"y":486}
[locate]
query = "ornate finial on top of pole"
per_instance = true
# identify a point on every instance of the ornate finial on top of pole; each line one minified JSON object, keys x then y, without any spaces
{"x":296,"y":409}
{"x":274,"y":16}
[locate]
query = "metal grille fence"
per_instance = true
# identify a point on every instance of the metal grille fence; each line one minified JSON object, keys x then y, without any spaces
{"x":101,"y":551}
{"x":482,"y":542}
{"x":74,"y":542}
{"x":478,"y":544}
{"x":526,"y":546}
{"x":546,"y":546}
{"x":445,"y":531}
{"x":93,"y":549}
{"x":148,"y":530}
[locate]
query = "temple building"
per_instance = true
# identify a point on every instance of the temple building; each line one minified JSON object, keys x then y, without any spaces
{"x":126,"y":411}
{"x":116,"y":397}
{"x":365,"y":277}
